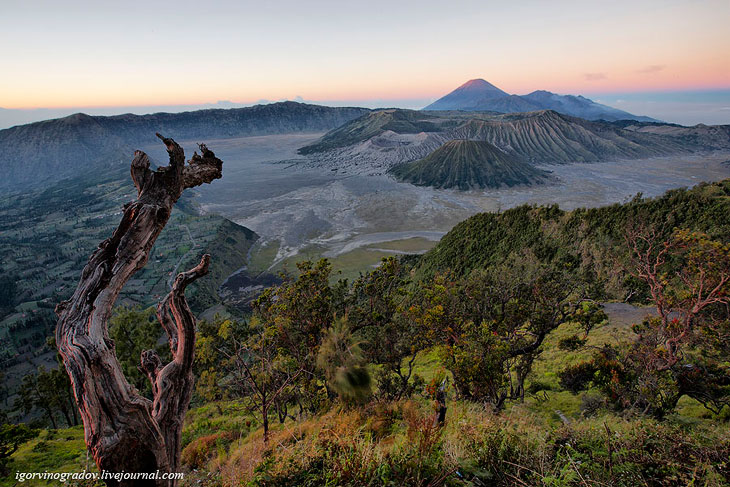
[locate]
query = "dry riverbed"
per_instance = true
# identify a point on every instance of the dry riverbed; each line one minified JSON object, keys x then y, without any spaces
{"x":305,"y":212}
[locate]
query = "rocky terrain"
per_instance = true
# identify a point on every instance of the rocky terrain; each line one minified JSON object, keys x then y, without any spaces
{"x":378,"y":140}
{"x":37,"y":154}
{"x":550,"y":137}
{"x":713,"y":137}
{"x":469,"y":164}
{"x":373,"y":124}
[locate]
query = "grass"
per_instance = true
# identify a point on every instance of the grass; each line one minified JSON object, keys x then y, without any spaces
{"x":348,"y":265}
{"x":61,"y":450}
{"x":396,"y":444}
{"x":391,"y":443}
{"x":262,"y":256}
{"x":428,"y":365}
{"x":215,"y":417}
{"x":344,"y":266}
{"x":351,"y":264}
{"x":408,"y":245}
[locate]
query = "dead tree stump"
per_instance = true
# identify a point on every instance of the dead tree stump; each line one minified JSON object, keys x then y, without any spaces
{"x":125,"y":431}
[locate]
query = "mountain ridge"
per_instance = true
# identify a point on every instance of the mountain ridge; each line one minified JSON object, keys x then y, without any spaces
{"x":480,"y":95}
{"x":33,"y":155}
{"x":366,"y":146}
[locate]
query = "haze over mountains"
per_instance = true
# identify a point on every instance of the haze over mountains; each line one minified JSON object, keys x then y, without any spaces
{"x":34,"y":154}
{"x":380,"y":139}
{"x":359,"y":141}
{"x":480,"y":95}
{"x":65,"y":181}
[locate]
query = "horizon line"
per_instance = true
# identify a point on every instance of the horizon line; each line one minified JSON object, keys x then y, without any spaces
{"x":353,"y":101}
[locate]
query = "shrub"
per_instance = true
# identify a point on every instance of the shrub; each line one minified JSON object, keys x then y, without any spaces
{"x":576,"y":378}
{"x":590,"y":404}
{"x":201,"y":450}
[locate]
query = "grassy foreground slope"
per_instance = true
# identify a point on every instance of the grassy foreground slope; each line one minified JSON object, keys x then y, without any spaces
{"x":553,"y":438}
{"x":394,"y":443}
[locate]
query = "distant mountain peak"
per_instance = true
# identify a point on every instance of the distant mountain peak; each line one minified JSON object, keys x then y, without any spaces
{"x":480,"y":85}
{"x":476,"y":82}
{"x":481,"y":96}
{"x":77,"y":117}
{"x":468,"y":95}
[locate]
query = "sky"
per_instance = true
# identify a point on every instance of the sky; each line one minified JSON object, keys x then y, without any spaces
{"x":97,"y":56}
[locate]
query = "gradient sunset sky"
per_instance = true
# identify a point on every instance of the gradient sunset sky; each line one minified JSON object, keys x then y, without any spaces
{"x":134,"y":53}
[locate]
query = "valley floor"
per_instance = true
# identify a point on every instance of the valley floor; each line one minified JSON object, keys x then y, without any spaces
{"x":304,"y":212}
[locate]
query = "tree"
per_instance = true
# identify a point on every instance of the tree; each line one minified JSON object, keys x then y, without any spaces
{"x":8,"y":288}
{"x":299,"y":312}
{"x":135,"y":330}
{"x":685,"y":293}
{"x":683,"y":350}
{"x":214,"y":346}
{"x":3,"y":390}
{"x":32,"y":396}
{"x":124,"y":430}
{"x":11,"y":437}
{"x":377,"y":307}
{"x":50,"y":392}
{"x":491,"y":325}
{"x":261,"y":369}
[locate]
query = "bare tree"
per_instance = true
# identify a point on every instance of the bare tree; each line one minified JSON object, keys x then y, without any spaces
{"x":683,"y":296}
{"x":125,"y":431}
{"x":261,"y":375}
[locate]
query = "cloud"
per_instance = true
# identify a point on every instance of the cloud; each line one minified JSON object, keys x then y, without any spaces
{"x":652,"y":68}
{"x":594,"y":76}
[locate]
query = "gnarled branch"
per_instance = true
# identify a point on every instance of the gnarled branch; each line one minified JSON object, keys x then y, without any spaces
{"x":125,"y":431}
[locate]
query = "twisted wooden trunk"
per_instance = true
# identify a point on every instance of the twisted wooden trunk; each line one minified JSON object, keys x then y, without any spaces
{"x":124,"y":431}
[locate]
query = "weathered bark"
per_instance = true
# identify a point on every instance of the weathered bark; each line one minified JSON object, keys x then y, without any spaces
{"x":125,"y":431}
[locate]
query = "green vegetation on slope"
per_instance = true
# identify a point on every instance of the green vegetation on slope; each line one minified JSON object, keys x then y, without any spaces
{"x":468,"y":164}
{"x":229,"y":251}
{"x":61,"y":450}
{"x":586,"y":241}
{"x":389,"y":444}
{"x":494,"y":323}
{"x":47,"y":236}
